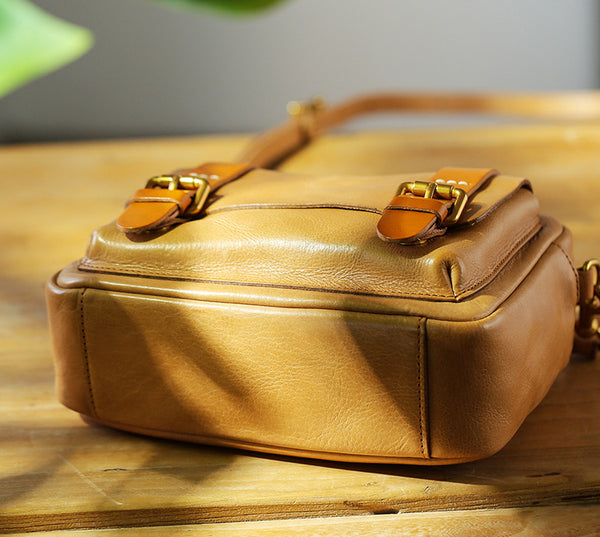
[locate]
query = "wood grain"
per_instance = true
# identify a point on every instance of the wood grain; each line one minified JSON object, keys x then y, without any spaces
{"x":556,"y":521}
{"x":58,"y":473}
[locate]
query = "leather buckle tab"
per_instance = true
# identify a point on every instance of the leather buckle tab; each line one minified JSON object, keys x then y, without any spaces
{"x":168,"y":199}
{"x":421,"y":210}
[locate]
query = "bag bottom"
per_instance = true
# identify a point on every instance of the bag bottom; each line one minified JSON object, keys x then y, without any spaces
{"x":256,"y":448}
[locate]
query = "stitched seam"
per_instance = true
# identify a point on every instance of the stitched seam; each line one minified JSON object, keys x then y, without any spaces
{"x":85,"y":353}
{"x":420,"y":384}
{"x":94,"y":266}
{"x":527,"y":237}
{"x":240,"y":442}
{"x":98,"y":267}
{"x":90,"y":265}
{"x":412,"y":209}
{"x":569,"y":260}
{"x":157,"y":200}
{"x":252,"y":207}
{"x":433,"y":212}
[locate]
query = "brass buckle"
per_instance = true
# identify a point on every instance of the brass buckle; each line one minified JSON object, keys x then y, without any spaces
{"x":427,"y":189}
{"x":198,"y":183}
{"x":589,"y":300}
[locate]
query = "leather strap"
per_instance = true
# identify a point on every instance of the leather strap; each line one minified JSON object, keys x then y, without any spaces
{"x":185,"y":192}
{"x":312,"y":119}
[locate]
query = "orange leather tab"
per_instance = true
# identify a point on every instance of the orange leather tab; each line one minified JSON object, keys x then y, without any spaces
{"x":159,"y":195}
{"x":183,"y":194}
{"x":411,"y":218}
{"x":152,"y":208}
{"x":438,"y":208}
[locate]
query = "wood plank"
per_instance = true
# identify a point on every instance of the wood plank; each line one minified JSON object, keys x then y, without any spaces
{"x":555,"y":521}
{"x":57,"y":472}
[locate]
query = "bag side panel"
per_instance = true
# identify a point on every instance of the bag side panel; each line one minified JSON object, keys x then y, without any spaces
{"x":322,"y":381}
{"x":486,"y":376}
{"x":72,"y":381}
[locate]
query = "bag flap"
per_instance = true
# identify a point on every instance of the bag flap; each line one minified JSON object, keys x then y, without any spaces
{"x":319,"y":233}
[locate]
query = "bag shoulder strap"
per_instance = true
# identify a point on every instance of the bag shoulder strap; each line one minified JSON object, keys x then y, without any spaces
{"x":312,"y":118}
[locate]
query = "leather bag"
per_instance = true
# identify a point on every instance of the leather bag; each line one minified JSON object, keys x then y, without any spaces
{"x":376,"y":319}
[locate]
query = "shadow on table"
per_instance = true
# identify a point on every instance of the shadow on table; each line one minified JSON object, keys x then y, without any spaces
{"x":553,"y":458}
{"x":22,"y":483}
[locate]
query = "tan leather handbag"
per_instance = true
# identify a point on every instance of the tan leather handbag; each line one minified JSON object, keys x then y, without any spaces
{"x":376,"y":319}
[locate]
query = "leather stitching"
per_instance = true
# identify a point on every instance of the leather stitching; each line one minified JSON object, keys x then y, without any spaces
{"x":156,"y":200}
{"x":102,"y":268}
{"x":85,"y":352}
{"x":98,"y":267}
{"x":256,"y":206}
{"x":226,"y":441}
{"x":420,"y":383}
{"x":415,"y":210}
{"x":411,"y":209}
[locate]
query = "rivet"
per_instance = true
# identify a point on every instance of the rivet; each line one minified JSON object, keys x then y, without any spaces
{"x":214,"y":177}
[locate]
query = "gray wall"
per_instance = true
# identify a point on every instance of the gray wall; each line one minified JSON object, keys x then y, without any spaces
{"x":157,"y":70}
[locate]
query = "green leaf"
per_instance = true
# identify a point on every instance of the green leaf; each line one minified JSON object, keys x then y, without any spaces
{"x":33,"y":43}
{"x":235,"y":6}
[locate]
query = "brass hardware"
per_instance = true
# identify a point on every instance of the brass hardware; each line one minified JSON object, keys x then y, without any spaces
{"x":296,"y":109}
{"x":427,"y":189}
{"x":199,"y":183}
{"x":589,"y":299}
{"x":304,"y":112}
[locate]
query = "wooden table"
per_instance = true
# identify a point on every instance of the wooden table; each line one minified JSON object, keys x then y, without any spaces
{"x":59,"y":475}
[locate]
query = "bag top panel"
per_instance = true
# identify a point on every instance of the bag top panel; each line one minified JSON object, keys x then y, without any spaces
{"x":319,"y":233}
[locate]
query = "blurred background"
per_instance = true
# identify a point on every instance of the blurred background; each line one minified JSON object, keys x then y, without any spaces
{"x":155,"y":69}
